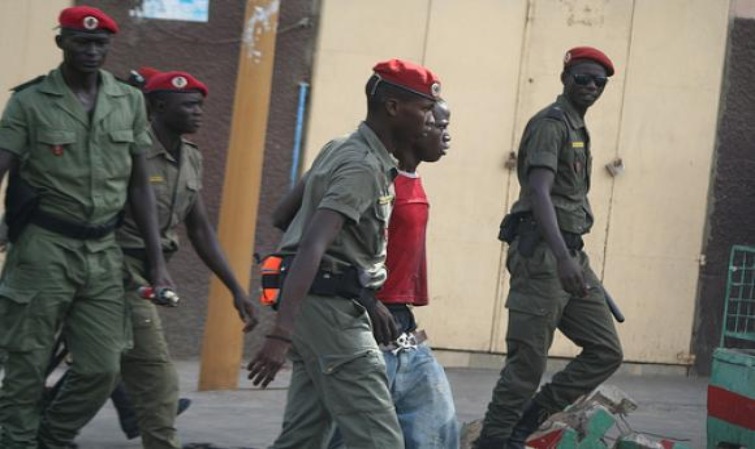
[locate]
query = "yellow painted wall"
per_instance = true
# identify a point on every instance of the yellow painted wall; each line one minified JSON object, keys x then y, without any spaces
{"x":499,"y":62}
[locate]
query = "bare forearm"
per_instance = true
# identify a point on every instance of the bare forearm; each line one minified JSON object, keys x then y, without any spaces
{"x":206,"y":244}
{"x":545,"y":214}
{"x":301,"y":275}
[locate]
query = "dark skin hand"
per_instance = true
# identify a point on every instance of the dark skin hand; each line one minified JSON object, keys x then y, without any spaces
{"x":205,"y":242}
{"x":540,"y":181}
{"x":320,"y":233}
{"x":174,"y":115}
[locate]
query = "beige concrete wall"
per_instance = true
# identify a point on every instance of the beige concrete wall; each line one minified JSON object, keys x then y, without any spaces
{"x":27,"y":45}
{"x":499,"y":62}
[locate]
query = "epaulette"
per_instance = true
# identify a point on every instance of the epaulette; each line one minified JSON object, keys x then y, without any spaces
{"x":190,"y":143}
{"x":556,"y":113}
{"x":29,"y":83}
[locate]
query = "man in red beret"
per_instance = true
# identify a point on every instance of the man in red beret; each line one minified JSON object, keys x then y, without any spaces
{"x":552,"y":284}
{"x":74,"y":142}
{"x":175,"y":173}
{"x":329,"y":320}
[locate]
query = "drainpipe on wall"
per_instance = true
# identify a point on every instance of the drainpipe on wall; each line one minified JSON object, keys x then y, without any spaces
{"x":300,"y":114}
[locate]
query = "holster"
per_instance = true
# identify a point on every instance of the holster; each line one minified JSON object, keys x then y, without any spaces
{"x":507,"y":231}
{"x":523,"y":226}
{"x":21,"y":202}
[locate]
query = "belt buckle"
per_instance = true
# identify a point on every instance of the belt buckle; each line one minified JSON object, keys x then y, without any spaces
{"x":405,"y":341}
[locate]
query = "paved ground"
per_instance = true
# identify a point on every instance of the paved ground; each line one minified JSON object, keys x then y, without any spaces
{"x":672,"y":406}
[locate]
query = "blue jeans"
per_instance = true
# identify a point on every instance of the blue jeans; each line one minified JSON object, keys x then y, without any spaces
{"x":423,"y":400}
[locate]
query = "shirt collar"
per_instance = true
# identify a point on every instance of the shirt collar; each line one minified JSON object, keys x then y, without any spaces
{"x":388,"y":162}
{"x":55,"y":84}
{"x":572,"y":115}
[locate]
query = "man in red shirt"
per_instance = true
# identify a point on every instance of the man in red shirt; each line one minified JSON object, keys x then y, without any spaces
{"x":418,"y":384}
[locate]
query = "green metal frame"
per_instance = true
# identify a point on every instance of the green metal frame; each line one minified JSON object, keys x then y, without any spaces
{"x":739,"y":307}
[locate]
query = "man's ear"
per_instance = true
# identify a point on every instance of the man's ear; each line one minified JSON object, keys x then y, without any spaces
{"x":59,"y":41}
{"x":564,"y":76}
{"x":392,"y":106}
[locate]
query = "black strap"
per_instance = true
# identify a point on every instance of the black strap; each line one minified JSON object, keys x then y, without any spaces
{"x":525,"y":223}
{"x":326,"y":283}
{"x":75,"y":230}
{"x":345,"y":284}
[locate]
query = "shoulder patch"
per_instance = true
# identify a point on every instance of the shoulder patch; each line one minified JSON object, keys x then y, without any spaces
{"x":29,"y":83}
{"x":556,"y":113}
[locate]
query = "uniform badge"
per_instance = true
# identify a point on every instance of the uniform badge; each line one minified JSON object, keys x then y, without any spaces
{"x":91,"y":22}
{"x":578,"y":144}
{"x":567,"y":57}
{"x":156,"y":179}
{"x":179,"y":82}
{"x":435,"y":90}
{"x":385,"y":199}
{"x":57,"y":150}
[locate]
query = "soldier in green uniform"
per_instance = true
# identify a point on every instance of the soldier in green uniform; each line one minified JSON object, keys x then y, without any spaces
{"x":336,"y":248}
{"x":175,"y":173}
{"x":552,"y":284}
{"x":74,"y":143}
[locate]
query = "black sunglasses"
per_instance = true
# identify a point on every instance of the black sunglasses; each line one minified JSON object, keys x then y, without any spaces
{"x":583,"y":80}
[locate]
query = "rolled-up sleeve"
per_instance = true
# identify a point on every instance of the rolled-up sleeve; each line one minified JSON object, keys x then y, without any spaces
{"x":14,"y":130}
{"x":351,"y":191}
{"x":542,"y":143}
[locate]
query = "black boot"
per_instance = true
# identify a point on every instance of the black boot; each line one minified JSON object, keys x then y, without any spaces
{"x":533,"y":416}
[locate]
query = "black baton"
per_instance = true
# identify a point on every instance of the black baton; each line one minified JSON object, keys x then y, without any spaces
{"x":612,"y":306}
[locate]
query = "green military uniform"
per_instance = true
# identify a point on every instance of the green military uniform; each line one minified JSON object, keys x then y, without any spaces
{"x":556,"y":139}
{"x":81,"y":166}
{"x":150,"y":376}
{"x":338,"y":371}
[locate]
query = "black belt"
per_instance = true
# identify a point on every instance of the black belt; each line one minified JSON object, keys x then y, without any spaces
{"x":527,"y":225}
{"x":343,"y":283}
{"x":75,"y":230}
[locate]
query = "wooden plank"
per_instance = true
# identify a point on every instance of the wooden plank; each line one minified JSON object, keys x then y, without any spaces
{"x":223,"y":339}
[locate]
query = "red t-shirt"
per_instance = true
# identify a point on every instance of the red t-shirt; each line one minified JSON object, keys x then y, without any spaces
{"x":406,"y":254}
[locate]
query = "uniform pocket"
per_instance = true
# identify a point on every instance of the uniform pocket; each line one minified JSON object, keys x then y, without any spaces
{"x":17,"y":327}
{"x":350,"y":315}
{"x":356,"y":383}
{"x":122,"y":136}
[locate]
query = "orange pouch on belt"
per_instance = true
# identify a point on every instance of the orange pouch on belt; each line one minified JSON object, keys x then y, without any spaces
{"x":271,"y":270}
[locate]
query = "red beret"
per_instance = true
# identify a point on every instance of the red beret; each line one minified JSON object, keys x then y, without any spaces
{"x":581,"y":54}
{"x":174,"y":82}
{"x":86,"y":18}
{"x":409,"y":76}
{"x":147,"y":72}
